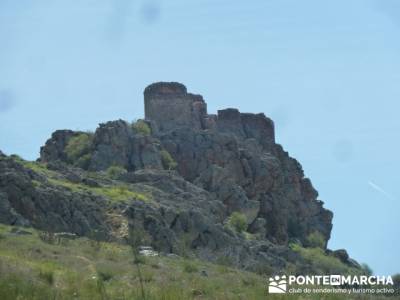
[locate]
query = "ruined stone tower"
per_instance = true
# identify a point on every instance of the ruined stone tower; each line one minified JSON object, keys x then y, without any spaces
{"x":169,"y":105}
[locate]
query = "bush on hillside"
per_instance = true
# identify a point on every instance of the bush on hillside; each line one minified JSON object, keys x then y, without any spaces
{"x":168,"y":162}
{"x":115,"y":171}
{"x":322,"y":262}
{"x":78,"y":147}
{"x":141,"y":127}
{"x":316,"y":240}
{"x":190,"y":267}
{"x":238,"y":221}
{"x":84,"y":161}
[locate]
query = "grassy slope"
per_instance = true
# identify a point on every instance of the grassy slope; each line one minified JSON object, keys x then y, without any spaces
{"x":32,"y":269}
{"x":85,"y":269}
{"x":114,"y":192}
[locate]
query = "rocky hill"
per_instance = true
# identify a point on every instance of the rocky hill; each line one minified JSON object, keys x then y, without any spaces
{"x":217,"y":187}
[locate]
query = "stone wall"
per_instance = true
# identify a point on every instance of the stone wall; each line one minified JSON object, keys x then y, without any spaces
{"x":246,"y":125}
{"x":168,"y":106}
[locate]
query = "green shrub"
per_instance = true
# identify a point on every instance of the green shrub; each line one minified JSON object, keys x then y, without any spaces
{"x":78,"y":146}
{"x":47,"y":276}
{"x":17,"y":158}
{"x":190,"y":267}
{"x":115,"y":172}
{"x":238,"y":221}
{"x":105,"y":275}
{"x":168,"y":162}
{"x":316,"y":240}
{"x":140,"y":260}
{"x":323,"y":263}
{"x":248,"y":236}
{"x":141,"y":127}
{"x":84,"y":161}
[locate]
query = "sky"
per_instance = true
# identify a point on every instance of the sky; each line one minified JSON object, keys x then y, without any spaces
{"x":327,"y":73}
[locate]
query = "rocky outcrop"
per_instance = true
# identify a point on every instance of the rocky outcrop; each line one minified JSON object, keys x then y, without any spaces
{"x":268,"y":185}
{"x":54,"y":149}
{"x":236,"y":159}
{"x":179,"y":217}
{"x":232,"y":155}
{"x":195,"y":169}
{"x":114,"y":143}
{"x":28,"y":198}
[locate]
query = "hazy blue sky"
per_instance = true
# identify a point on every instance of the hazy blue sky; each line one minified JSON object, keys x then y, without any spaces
{"x":327,"y":72}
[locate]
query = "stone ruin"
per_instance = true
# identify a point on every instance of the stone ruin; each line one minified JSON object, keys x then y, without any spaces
{"x":223,"y":163}
{"x":168,"y":106}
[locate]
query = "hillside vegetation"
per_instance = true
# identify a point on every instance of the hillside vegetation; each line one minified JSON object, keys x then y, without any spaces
{"x":32,"y":267}
{"x":214,"y":194}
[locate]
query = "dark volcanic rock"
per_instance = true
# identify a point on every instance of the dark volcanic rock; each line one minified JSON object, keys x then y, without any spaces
{"x":28,"y":199}
{"x":229,"y":121}
{"x":259,"y":127}
{"x":114,"y":143}
{"x":232,"y":155}
{"x":246,"y":178}
{"x":55,"y":146}
{"x":238,"y":161}
{"x":225,"y":163}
